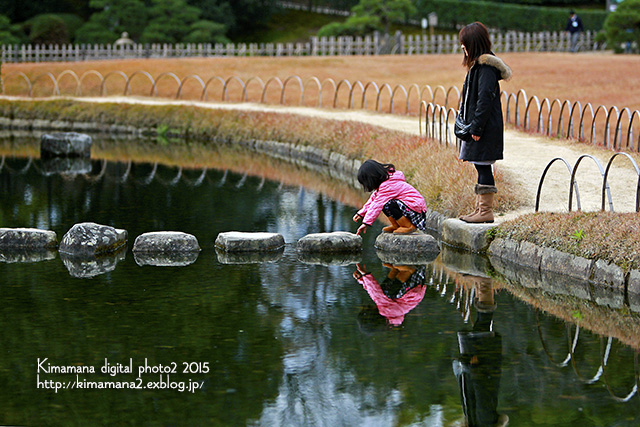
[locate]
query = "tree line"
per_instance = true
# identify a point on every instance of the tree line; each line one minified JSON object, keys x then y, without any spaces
{"x":146,"y":21}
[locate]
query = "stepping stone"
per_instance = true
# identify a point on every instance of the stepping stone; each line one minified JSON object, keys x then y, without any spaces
{"x":415,"y":243}
{"x":166,"y":241}
{"x":237,"y":241}
{"x":91,"y":239}
{"x":27,"y":238}
{"x":337,"y":241}
{"x":65,"y":144}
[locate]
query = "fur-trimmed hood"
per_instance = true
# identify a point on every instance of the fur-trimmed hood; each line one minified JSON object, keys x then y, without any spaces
{"x":495,"y":62}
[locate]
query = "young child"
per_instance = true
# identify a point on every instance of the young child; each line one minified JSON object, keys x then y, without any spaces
{"x":402,"y":203}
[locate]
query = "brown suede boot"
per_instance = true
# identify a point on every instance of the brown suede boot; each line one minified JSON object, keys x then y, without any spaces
{"x":394,"y":226}
{"x":475,"y":209}
{"x":485,"y":205}
{"x":406,"y":226}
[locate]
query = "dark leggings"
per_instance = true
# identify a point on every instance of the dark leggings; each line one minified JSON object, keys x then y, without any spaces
{"x":393,"y":210}
{"x":485,"y":175}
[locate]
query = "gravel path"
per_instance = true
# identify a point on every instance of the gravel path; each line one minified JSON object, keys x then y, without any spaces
{"x":526,"y":157}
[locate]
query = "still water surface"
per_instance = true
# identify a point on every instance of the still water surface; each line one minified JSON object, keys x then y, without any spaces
{"x":279,"y":342}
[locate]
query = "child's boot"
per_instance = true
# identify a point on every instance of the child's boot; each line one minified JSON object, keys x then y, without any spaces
{"x":394,"y":226}
{"x":406,"y":226}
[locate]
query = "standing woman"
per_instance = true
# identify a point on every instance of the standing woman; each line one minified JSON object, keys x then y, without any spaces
{"x":482,"y":108}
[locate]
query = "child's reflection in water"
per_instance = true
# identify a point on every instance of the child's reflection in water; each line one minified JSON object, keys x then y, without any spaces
{"x":398,"y":294}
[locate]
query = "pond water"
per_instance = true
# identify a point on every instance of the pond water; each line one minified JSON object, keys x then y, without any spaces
{"x":285,"y":341}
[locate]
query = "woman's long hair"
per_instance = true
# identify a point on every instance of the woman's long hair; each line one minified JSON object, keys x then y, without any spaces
{"x":371,"y":174}
{"x":476,"y":40}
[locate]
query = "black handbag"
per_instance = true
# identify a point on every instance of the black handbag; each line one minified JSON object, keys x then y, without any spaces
{"x":461,"y":128}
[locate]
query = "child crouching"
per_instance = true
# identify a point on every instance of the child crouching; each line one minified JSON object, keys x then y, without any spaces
{"x":393,"y":196}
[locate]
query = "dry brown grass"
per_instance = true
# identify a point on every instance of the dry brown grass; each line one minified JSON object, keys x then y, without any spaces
{"x":594,"y":235}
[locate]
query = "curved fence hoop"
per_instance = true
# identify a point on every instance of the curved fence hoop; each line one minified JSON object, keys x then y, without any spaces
{"x":593,"y":123}
{"x":56,"y":90}
{"x":422,"y":109}
{"x":634,"y":389}
{"x":206,"y":87}
{"x":266,"y":86}
{"x":451,"y":113}
{"x":127,"y":87}
{"x":246,"y":85}
{"x":90,"y":73}
{"x":406,"y":97}
{"x":606,"y":176}
{"x":617,"y":132}
{"x":318,"y":87}
{"x":563,"y":108}
{"x":103,"y":87}
{"x":567,"y":359}
{"x":635,"y":114}
{"x":336,"y":91}
{"x":574,"y":106}
{"x":550,"y":115}
{"x":519,"y":94}
{"x":225,"y":88}
{"x":544,"y":173}
{"x":525,"y":121}
{"x":452,"y":89}
{"x":426,"y":88}
{"x":154,"y":88}
{"x":284,"y":88}
{"x":72,"y":74}
{"x":20,"y":74}
{"x":607,"y":127}
{"x":573,"y":176}
{"x":184,"y":80}
{"x":510,"y":97}
{"x":356,"y":84}
{"x":412,"y":87}
{"x":363,"y":104}
{"x":390,"y":92}
{"x":439,"y":88}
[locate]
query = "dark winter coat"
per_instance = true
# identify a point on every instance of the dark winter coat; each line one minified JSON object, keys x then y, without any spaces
{"x":483,"y":109}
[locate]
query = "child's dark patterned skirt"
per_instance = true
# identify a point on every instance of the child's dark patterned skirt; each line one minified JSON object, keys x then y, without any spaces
{"x":396,"y":207}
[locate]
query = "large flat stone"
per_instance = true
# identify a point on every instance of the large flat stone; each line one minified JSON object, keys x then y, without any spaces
{"x":166,"y":241}
{"x":415,"y":243}
{"x":337,"y":241}
{"x":65,"y":144}
{"x":464,"y":235}
{"x":237,"y":241}
{"x":91,"y":239}
{"x":27,"y":238}
{"x":556,"y":261}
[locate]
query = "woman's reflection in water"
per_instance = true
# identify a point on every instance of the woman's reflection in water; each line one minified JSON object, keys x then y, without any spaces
{"x":398,"y":294}
{"x":478,"y":369}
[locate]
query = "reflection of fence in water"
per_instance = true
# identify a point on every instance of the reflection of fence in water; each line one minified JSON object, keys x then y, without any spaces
{"x":462,"y":298}
{"x":180,"y":174}
{"x":611,"y":127}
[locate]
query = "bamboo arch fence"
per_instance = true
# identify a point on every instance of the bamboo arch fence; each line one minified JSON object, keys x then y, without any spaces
{"x":612,"y":127}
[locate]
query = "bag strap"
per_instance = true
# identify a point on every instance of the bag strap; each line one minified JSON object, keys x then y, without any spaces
{"x":466,"y":95}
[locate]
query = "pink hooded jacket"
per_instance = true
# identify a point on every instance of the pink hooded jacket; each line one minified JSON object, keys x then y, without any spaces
{"x":393,"y":188}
